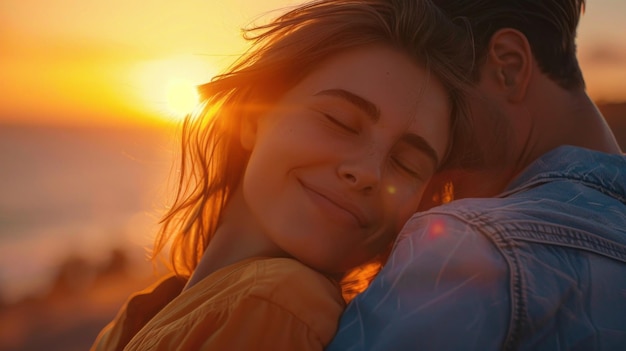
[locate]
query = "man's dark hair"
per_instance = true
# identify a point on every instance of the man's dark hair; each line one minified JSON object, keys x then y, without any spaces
{"x":549,"y":25}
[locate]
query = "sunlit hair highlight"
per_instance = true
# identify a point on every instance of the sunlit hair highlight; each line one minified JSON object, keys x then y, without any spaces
{"x":283,"y":52}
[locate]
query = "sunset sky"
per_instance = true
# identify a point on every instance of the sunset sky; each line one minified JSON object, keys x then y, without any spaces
{"x":131,"y":61}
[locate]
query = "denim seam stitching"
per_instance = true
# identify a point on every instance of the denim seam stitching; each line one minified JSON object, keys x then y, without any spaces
{"x":555,"y":177}
{"x":571,"y":239}
{"x":517,"y":303}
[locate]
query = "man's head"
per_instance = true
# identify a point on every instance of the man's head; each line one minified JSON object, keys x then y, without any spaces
{"x":530,"y":95}
{"x":548,"y":25}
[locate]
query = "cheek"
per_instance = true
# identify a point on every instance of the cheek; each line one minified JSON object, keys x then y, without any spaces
{"x":401,"y":208}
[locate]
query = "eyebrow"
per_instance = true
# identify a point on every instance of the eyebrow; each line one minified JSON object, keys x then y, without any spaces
{"x":368,"y":107}
{"x":372,"y":111}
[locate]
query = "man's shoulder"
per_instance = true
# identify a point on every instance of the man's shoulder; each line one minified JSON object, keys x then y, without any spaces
{"x":473,"y":214}
{"x":570,"y":166}
{"x":450,"y":240}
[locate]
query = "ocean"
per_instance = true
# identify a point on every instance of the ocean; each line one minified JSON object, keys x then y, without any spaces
{"x":77,"y":192}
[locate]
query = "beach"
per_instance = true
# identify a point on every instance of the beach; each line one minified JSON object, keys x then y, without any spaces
{"x":78,"y":211}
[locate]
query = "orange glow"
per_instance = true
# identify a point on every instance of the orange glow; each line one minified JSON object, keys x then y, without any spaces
{"x":436,"y":229}
{"x":447,"y":194}
{"x":80,"y":179}
{"x":359,"y":279}
{"x":167,"y":87}
{"x":115,"y":62}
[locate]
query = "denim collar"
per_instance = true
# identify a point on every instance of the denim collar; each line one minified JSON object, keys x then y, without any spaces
{"x":601,"y":171}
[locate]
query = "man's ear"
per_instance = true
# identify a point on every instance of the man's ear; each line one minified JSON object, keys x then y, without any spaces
{"x":511,"y":59}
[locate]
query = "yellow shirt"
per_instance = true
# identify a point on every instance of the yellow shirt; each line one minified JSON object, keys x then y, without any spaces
{"x":256,"y":304}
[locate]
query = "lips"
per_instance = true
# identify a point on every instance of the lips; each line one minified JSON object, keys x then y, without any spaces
{"x":335,"y":205}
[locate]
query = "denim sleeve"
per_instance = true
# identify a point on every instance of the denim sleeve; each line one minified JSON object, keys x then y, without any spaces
{"x":445,"y":287}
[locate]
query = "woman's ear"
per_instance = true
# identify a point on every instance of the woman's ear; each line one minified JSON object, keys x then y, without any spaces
{"x":511,"y":57}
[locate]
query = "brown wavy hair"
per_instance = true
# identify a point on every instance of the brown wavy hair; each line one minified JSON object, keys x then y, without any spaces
{"x":282,"y":53}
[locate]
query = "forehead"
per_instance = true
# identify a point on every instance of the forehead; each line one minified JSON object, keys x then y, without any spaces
{"x":407,"y":96}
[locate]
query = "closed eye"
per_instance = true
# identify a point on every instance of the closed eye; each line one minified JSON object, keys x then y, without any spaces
{"x":406,"y":168}
{"x":339,"y":124}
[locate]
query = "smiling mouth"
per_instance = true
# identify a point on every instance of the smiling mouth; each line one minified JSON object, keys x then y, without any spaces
{"x":336,"y":207}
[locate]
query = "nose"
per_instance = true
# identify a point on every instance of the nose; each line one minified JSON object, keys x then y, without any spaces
{"x":363,"y":174}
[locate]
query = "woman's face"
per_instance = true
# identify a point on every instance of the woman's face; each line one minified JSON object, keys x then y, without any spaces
{"x":340,"y":162}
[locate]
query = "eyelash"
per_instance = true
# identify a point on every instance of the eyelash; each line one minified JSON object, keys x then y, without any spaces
{"x":406,"y":169}
{"x":395,"y":160}
{"x":336,"y":122}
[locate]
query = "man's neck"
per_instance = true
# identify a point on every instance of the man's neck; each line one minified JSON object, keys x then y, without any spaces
{"x":550,"y":119}
{"x":567,"y":118}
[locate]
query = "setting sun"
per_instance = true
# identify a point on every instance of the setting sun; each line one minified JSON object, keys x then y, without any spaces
{"x":182,"y":97}
{"x":85,"y":71}
{"x":168,"y":86}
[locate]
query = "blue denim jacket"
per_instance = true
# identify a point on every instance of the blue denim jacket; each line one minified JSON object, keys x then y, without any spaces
{"x":540,"y":267}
